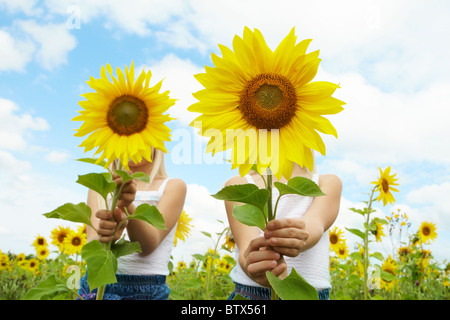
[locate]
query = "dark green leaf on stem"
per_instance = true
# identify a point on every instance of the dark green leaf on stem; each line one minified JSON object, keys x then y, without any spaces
{"x":79,"y":213}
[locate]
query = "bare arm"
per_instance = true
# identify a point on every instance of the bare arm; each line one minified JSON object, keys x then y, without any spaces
{"x":293,"y":235}
{"x":255,"y":258}
{"x":170,"y":205}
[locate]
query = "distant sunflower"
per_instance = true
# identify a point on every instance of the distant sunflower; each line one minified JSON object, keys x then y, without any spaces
{"x":427,"y":232}
{"x":42,"y":252}
{"x":33,"y":265}
{"x":336,"y":238}
{"x":378,"y":232}
{"x":74,"y":242}
{"x":342,"y":251}
{"x":58,"y":235}
{"x":183,"y":227}
{"x":124,"y":118}
{"x":389,"y":266}
{"x":255,"y":89}
{"x":384,"y":186}
{"x":40,"y":241}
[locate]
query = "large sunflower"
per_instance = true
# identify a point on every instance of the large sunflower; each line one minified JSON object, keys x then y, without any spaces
{"x":123,"y":117}
{"x":384,"y":186}
{"x":269,"y":93}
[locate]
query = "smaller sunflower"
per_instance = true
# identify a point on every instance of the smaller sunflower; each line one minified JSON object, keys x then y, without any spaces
{"x":389,"y":266}
{"x":42,"y":252}
{"x":384,"y":186}
{"x":74,"y":242}
{"x":342,"y":251}
{"x":183,"y":227}
{"x":58,"y":235}
{"x":336,"y":238}
{"x":229,"y":242}
{"x":33,"y":265}
{"x":427,"y":232}
{"x":40,"y":241}
{"x":378,"y":232}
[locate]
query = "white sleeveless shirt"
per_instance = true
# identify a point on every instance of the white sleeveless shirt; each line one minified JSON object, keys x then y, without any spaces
{"x":312,"y":264}
{"x":155,"y":263}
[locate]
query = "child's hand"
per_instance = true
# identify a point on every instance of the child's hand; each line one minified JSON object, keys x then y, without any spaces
{"x":259,"y":259}
{"x":287,"y":236}
{"x":107,"y":225}
{"x":128,"y":193}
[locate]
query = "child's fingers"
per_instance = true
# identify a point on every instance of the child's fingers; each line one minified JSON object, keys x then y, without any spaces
{"x":286,"y":223}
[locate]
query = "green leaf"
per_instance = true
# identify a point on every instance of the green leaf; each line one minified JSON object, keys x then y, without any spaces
{"x":379,"y":220}
{"x":357,"y":232}
{"x":124,"y":248}
{"x":137,"y":176}
{"x":244,"y":193}
{"x":377,"y":255}
{"x":361,"y":212}
{"x":293,"y":287}
{"x":386,"y":276}
{"x":93,"y":161}
{"x":50,"y":287}
{"x":250,"y":216}
{"x":99,"y":182}
{"x":206,"y":234}
{"x":239,"y":297}
{"x":301,"y":186}
{"x":149,"y":214}
{"x":101,"y":264}
{"x":79,"y":213}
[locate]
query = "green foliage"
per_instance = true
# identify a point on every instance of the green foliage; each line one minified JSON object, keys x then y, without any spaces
{"x":293,"y":287}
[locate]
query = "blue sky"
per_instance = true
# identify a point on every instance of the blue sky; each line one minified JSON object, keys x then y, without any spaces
{"x":391,"y":60}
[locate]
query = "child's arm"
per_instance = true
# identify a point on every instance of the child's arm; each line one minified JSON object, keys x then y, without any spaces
{"x":170,"y":205}
{"x":255,"y":258}
{"x":292,"y":236}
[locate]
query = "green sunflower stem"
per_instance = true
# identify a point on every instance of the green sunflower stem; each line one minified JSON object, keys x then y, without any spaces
{"x":274,"y":295}
{"x":107,"y":245}
{"x":366,"y":247}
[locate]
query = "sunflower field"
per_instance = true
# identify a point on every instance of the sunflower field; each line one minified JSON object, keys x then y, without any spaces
{"x":409,"y":272}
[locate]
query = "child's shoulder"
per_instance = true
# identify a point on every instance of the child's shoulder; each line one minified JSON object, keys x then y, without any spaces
{"x":176,"y":184}
{"x":235,"y":180}
{"x":330,"y":180}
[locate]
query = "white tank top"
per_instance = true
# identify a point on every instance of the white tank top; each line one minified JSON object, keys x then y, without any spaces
{"x":312,"y":264}
{"x":155,"y":263}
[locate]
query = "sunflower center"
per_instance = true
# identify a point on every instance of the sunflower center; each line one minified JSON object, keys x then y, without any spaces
{"x":61,"y":237}
{"x":268,"y":101}
{"x":76,"y":241}
{"x":385,"y":185}
{"x":333,"y":239}
{"x":426,"y":231}
{"x":127,"y":115}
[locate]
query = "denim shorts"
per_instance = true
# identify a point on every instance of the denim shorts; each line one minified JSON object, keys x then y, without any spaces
{"x":129,"y":287}
{"x":263,"y":293}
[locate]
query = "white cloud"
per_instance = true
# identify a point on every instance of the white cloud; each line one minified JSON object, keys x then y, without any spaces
{"x":54,"y":42}
{"x":178,"y":75}
{"x":57,"y":157}
{"x":15,"y":53}
{"x":205,"y":212}
{"x":14,"y":129}
{"x":28,"y":7}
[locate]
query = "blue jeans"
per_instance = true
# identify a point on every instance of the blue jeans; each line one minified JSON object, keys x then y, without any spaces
{"x":129,"y":287}
{"x":263,"y":293}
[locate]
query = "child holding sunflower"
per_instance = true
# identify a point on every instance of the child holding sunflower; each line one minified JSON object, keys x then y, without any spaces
{"x":140,"y":276}
{"x":297,"y":238}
